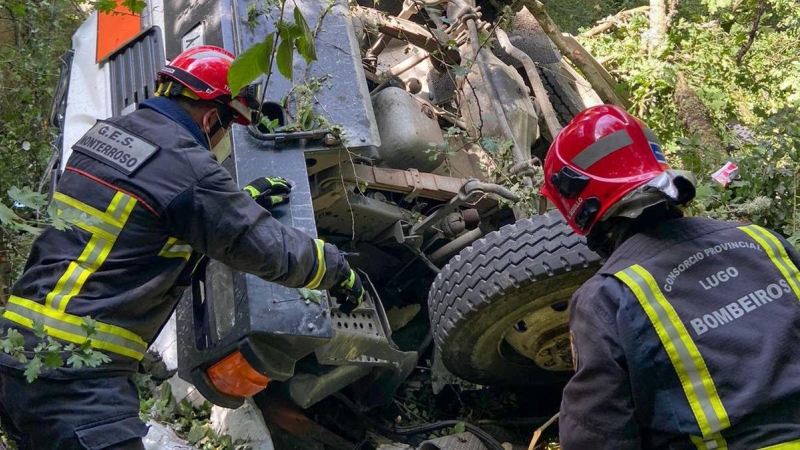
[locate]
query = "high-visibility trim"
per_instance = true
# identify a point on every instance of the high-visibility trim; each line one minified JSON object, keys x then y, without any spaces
{"x":105,"y":231}
{"x":69,"y":328}
{"x":602,"y":148}
{"x":777,"y":254}
{"x":692,"y":371}
{"x":715,"y":442}
{"x":99,"y":223}
{"x":351,"y":280}
{"x":320,"y":269}
{"x":791,"y":445}
{"x":139,"y":200}
{"x":252,"y":191}
{"x":176,"y":248}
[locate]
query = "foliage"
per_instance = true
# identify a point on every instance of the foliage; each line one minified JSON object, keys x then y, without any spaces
{"x":278,"y":47}
{"x":49,"y":353}
{"x":189,"y":422}
{"x":760,"y":94}
{"x":34,"y":35}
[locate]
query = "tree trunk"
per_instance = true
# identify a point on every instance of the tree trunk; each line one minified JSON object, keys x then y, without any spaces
{"x":658,"y":24}
{"x":697,"y":121}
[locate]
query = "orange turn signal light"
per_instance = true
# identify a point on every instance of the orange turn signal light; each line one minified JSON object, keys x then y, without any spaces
{"x":235,"y":376}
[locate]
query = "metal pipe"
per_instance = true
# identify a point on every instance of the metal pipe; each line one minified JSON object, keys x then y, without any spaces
{"x":408,"y":10}
{"x":407,"y":64}
{"x":539,"y":91}
{"x":446,"y":251}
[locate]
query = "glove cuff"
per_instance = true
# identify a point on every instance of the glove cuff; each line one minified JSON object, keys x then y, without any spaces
{"x":338,"y":268}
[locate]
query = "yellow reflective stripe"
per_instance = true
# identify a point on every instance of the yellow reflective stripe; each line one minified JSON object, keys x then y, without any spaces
{"x":774,"y":249}
{"x":715,"y":442}
{"x":351,"y":280}
{"x":321,"y":269}
{"x":791,"y":445}
{"x":69,"y":328}
{"x":112,"y":220}
{"x":692,"y":371}
{"x":99,"y":223}
{"x":176,"y":248}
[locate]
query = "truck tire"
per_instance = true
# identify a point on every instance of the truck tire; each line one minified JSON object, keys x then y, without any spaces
{"x":511,"y":287}
{"x":566,"y":101}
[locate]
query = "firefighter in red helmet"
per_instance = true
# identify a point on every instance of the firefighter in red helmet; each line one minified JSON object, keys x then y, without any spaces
{"x":687,"y":336}
{"x":146,"y":197}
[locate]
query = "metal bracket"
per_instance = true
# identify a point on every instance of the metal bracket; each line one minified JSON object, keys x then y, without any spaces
{"x":416,"y":182}
{"x":471,"y":191}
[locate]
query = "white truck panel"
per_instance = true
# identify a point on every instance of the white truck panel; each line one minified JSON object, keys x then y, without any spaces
{"x":88,"y":98}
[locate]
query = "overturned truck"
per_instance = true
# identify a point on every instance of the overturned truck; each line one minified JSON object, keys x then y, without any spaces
{"x":413,"y":142}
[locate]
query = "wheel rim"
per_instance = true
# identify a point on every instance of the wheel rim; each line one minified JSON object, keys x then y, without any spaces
{"x":541,"y":337}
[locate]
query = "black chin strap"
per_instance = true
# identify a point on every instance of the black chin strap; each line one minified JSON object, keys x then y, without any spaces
{"x":216,"y":127}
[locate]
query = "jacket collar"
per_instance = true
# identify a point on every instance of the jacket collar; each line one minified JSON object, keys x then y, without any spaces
{"x":177,"y":114}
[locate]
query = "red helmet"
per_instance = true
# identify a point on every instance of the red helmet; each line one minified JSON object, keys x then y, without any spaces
{"x":203,"y":72}
{"x":602,"y":155}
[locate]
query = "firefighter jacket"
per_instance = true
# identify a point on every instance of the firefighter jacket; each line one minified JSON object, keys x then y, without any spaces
{"x":144,"y":195}
{"x":688,"y":338}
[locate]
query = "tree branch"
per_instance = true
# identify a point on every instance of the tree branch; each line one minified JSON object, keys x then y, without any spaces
{"x":613,"y":21}
{"x":762,"y":5}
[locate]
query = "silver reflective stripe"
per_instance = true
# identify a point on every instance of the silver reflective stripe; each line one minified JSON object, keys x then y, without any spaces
{"x":683,"y":352}
{"x":211,"y":54}
{"x":602,"y":148}
{"x":124,"y":204}
{"x":77,"y":330}
{"x":176,"y":248}
{"x":73,"y":216}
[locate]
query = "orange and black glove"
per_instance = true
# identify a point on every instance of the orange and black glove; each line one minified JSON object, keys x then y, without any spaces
{"x":349,"y":292}
{"x":269,"y":191}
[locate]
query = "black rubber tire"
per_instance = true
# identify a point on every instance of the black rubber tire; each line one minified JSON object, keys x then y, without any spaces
{"x":488,"y":287}
{"x":566,"y":101}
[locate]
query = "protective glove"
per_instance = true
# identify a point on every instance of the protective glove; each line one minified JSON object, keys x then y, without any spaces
{"x":349,"y":292}
{"x":269,"y":191}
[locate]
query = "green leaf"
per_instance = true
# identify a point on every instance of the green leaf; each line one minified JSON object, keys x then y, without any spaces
{"x":75,"y":361}
{"x":105,"y":6}
{"x":135,"y":6}
{"x":33,"y":369}
{"x":15,"y":338}
{"x":38,"y":330}
{"x":271,"y":125}
{"x":250,"y":64}
{"x":301,"y":23}
{"x":460,"y":71}
{"x":196,"y":433}
{"x":311,"y":295}
{"x":18,"y":8}
{"x":459,"y":428}
{"x":305,"y":40}
{"x":284,"y":57}
{"x":53,"y":360}
{"x":8,"y":216}
{"x":89,"y":325}
{"x":185,"y":408}
{"x":28,"y":197}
